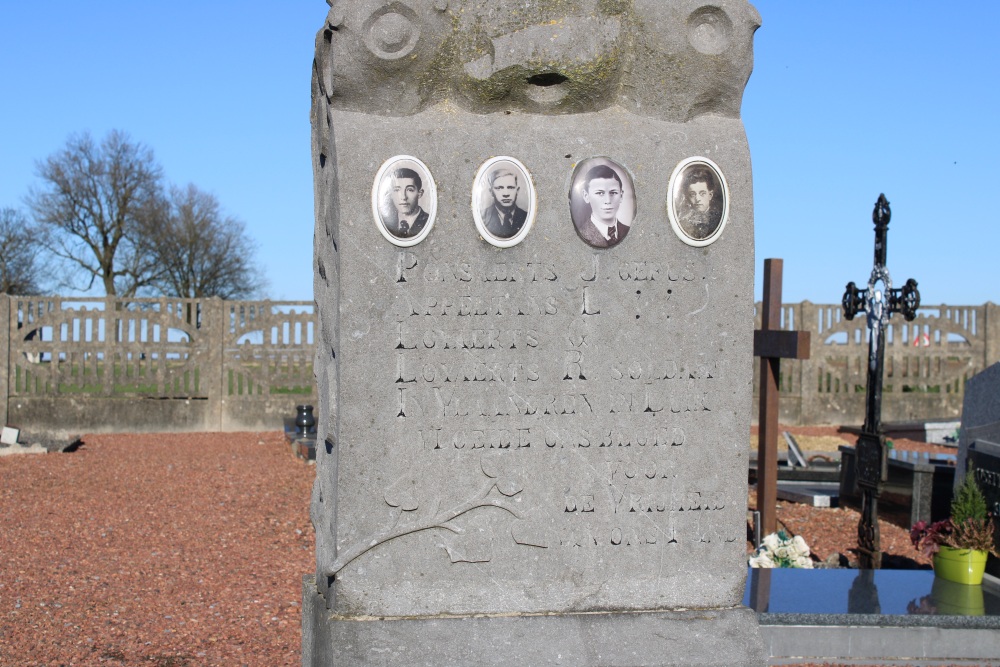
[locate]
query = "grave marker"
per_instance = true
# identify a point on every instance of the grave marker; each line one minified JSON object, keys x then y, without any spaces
{"x":979,"y":444}
{"x":980,"y":414}
{"x":772,"y":345}
{"x":878,"y":302}
{"x":534,"y":393}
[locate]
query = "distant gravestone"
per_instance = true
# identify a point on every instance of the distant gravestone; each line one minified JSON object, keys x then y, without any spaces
{"x":979,"y":443}
{"x":534,"y":277}
{"x":980,"y":414}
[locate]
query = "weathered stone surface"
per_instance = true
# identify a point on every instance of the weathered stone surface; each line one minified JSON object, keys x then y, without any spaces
{"x":553,"y":427}
{"x":669,"y":60}
{"x":506,"y":385}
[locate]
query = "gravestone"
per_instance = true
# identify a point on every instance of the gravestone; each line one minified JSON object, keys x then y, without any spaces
{"x":980,"y":414}
{"x":534,"y":279}
{"x":979,"y":443}
{"x":915,"y":490}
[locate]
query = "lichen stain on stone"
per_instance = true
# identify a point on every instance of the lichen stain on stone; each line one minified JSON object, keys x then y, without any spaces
{"x":614,"y":7}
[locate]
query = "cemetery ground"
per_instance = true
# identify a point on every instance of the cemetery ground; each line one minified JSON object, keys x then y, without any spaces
{"x":175,"y":550}
{"x":831,"y":532}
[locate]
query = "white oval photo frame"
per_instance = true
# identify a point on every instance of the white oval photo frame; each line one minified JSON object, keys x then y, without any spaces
{"x":482,"y":201}
{"x":675,"y":199}
{"x":384,"y":211}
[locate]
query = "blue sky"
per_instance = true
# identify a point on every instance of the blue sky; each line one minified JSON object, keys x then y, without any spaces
{"x":847,"y":99}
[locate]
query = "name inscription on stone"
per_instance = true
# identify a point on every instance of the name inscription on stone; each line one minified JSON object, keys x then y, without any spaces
{"x":569,"y":391}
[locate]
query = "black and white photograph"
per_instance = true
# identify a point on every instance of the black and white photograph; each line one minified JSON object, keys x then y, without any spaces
{"x":503,"y":201}
{"x":602,"y":202}
{"x":699,"y":201}
{"x":404,"y":200}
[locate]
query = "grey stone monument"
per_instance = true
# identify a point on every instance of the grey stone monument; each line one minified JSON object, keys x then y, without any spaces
{"x":534,"y":276}
{"x":980,"y":415}
{"x":979,"y":444}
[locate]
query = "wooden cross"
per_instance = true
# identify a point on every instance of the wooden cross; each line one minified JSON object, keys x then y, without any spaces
{"x":772,"y":345}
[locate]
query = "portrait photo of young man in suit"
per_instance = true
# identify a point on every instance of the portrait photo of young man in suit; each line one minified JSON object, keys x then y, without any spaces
{"x":503,"y":217}
{"x":404,"y":200}
{"x":602,"y":202}
{"x":503,"y":201}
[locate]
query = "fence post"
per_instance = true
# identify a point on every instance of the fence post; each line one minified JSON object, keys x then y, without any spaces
{"x":809,"y":321}
{"x":113,"y":309}
{"x":991,"y":334}
{"x":5,"y":328}
{"x":798,"y":368}
{"x":213,"y":354}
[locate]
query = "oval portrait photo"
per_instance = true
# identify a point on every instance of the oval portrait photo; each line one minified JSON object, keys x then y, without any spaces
{"x":404,"y":200}
{"x":503,"y":201}
{"x":602,"y":202}
{"x":698,"y":201}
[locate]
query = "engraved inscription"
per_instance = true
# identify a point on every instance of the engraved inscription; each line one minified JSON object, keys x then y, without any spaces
{"x":480,"y":348}
{"x":409,"y":268}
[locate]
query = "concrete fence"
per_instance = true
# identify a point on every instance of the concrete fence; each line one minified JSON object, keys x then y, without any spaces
{"x":927,"y":362}
{"x":77,"y":365}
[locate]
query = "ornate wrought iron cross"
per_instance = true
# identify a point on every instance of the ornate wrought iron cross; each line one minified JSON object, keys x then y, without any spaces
{"x":878,"y":302}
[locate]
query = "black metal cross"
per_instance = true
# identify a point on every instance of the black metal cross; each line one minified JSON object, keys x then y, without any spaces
{"x":878,"y":302}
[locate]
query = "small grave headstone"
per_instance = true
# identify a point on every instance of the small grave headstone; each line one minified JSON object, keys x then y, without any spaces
{"x":917,"y":488}
{"x":9,"y":435}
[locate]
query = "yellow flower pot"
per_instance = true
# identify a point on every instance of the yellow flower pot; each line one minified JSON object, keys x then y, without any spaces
{"x":963,"y":566}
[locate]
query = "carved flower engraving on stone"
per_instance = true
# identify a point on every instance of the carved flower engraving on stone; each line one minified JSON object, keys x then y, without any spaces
{"x":469,"y":535}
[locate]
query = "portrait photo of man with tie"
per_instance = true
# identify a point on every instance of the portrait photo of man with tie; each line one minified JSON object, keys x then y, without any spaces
{"x":503,"y":201}
{"x":404,"y":200}
{"x":602,"y":202}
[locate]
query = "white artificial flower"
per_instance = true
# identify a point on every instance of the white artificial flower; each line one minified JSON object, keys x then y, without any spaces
{"x":804,"y":563}
{"x":761,"y":561}
{"x":800,"y":545}
{"x":771,"y":542}
{"x":782,"y":553}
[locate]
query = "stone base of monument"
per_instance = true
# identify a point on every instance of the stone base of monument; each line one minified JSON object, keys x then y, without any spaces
{"x":909,"y":616}
{"x":723,"y":637}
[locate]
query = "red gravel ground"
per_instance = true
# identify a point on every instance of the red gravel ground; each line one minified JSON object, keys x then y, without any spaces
{"x":176,"y":550}
{"x":155,"y":550}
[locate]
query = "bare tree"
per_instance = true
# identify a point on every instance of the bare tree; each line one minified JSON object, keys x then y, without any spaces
{"x":19,"y":269}
{"x":201,"y":251}
{"x":92,"y":208}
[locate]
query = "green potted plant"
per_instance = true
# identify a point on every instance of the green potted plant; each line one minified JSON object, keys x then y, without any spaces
{"x":960,"y":543}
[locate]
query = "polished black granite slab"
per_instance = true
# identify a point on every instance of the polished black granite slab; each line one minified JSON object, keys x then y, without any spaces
{"x":869,"y":597}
